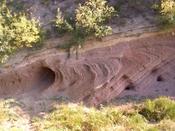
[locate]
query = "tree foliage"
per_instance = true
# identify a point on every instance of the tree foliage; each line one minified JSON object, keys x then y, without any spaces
{"x":167,"y":11}
{"x":90,"y":20}
{"x":16,"y":31}
{"x":62,"y":24}
{"x":92,"y":17}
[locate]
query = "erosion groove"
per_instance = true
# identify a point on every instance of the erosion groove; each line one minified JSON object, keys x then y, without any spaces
{"x":142,"y":67}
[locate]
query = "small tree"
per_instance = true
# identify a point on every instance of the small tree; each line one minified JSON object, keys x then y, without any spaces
{"x":62,"y":24}
{"x":16,"y":31}
{"x":90,"y":20}
{"x":167,"y":11}
{"x":92,"y":17}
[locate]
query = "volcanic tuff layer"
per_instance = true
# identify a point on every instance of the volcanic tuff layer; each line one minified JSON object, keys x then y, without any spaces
{"x":141,"y":67}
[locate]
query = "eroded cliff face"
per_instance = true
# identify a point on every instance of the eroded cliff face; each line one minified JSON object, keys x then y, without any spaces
{"x":141,"y":67}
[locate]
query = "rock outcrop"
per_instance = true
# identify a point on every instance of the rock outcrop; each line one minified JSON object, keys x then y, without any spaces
{"x":141,"y":67}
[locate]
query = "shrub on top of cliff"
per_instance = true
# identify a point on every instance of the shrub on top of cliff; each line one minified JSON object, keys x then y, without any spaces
{"x":92,"y":17}
{"x":16,"y":31}
{"x":90,"y":21}
{"x":166,"y":9}
{"x":61,"y":24}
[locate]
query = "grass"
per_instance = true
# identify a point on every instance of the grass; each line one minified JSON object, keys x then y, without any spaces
{"x":159,"y":109}
{"x":151,"y":115}
{"x":10,"y":120}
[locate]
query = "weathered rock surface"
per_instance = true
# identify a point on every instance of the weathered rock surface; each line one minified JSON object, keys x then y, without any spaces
{"x":142,"y":67}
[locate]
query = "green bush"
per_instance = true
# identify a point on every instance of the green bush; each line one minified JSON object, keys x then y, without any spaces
{"x":73,"y":117}
{"x":136,"y":122}
{"x":92,"y":17}
{"x":62,"y":24}
{"x":90,"y":21}
{"x":16,"y":31}
{"x":167,"y":11}
{"x":77,"y":118}
{"x":158,"y":109}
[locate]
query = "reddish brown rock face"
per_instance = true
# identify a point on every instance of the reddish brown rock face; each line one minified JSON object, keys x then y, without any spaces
{"x":142,"y":67}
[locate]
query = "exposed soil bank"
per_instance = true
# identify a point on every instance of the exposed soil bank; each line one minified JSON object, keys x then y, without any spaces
{"x":142,"y":67}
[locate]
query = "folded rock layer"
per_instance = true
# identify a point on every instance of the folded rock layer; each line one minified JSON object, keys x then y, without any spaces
{"x":141,"y":67}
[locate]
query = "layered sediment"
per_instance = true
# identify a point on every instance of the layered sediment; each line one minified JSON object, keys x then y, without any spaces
{"x":140,"y":67}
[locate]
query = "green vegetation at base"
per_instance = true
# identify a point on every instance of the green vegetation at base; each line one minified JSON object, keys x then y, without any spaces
{"x":90,"y":21}
{"x":16,"y":31}
{"x":151,"y":115}
{"x":140,"y":117}
{"x":162,"y":108}
{"x":10,"y":120}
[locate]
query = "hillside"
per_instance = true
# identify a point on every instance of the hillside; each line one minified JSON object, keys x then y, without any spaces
{"x":133,"y":62}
